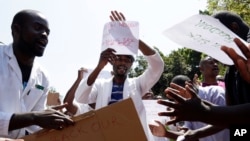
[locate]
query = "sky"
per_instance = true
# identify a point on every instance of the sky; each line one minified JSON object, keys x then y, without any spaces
{"x":77,"y":27}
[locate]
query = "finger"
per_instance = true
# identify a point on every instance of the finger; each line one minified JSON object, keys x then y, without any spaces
{"x":244,"y":49}
{"x":232,"y":54}
{"x":244,"y":69}
{"x":177,"y":87}
{"x":191,"y":91}
{"x":168,"y":114}
{"x":174,"y":121}
{"x":178,"y":97}
{"x":122,"y":17}
{"x":114,"y":15}
{"x":167,"y":103}
{"x":59,"y":107}
{"x":118,"y":16}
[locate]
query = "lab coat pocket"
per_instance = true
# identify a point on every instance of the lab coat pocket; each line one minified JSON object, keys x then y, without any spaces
{"x":32,"y":97}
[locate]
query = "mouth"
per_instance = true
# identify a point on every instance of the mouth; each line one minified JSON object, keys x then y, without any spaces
{"x":42,"y":43}
{"x":122,"y":69}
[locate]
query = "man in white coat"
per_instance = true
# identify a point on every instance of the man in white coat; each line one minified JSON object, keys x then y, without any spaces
{"x":107,"y":91}
{"x":24,"y":83}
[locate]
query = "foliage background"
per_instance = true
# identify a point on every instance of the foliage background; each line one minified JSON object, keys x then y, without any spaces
{"x":185,"y":61}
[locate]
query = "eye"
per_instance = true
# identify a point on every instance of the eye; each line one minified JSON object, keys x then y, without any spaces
{"x":41,"y":28}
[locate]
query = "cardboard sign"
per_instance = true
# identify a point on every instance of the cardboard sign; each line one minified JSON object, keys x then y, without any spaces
{"x":121,"y":36}
{"x":53,"y":99}
{"x":205,"y":34}
{"x":117,"y":122}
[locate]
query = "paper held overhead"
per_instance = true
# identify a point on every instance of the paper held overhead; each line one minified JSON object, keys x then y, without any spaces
{"x":123,"y":36}
{"x":205,"y":34}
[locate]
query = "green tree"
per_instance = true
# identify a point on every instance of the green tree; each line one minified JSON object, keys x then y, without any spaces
{"x":241,"y":7}
{"x":182,"y":61}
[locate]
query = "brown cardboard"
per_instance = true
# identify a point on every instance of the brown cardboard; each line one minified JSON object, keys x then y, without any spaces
{"x":53,"y":99}
{"x":117,"y":122}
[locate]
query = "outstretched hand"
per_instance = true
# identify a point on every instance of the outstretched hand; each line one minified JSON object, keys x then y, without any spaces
{"x":183,"y":108}
{"x":242,"y":64}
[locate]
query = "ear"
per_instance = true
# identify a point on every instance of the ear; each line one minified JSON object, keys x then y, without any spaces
{"x":15,"y":30}
{"x":234,"y":27}
{"x":201,"y":69}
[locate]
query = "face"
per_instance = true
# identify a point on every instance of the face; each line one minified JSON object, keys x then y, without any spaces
{"x":33,"y":36}
{"x":122,"y":65}
{"x":210,"y":67}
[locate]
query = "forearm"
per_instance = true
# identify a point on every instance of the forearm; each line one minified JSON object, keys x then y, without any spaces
{"x":145,"y":49}
{"x":69,"y":97}
{"x":18,"y":121}
{"x":92,"y":77}
{"x":226,"y":115}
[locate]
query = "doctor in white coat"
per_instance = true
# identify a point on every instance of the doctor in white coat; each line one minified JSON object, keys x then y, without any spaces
{"x":107,"y":91}
{"x":24,"y":83}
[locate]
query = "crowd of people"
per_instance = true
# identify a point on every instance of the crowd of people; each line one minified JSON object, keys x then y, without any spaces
{"x":209,"y":109}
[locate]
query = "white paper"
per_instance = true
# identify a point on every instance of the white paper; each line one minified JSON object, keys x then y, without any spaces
{"x":205,"y":34}
{"x":121,"y":36}
{"x":152,"y":110}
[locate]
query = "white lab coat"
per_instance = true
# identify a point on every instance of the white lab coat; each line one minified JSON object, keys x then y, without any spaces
{"x":100,"y":91}
{"x":13,"y":97}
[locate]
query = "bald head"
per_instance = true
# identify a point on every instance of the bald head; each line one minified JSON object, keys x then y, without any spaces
{"x":25,"y":15}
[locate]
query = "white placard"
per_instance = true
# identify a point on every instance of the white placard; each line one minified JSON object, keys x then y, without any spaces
{"x":121,"y":36}
{"x":152,"y":110}
{"x":205,"y":34}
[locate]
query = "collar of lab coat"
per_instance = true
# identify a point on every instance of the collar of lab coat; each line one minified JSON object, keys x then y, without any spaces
{"x":14,"y":65}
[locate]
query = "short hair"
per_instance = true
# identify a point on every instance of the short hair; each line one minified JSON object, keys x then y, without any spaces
{"x":180,"y":80}
{"x":203,"y":60}
{"x":227,"y":18}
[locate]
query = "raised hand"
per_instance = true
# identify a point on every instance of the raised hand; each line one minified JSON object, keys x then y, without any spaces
{"x":242,"y":64}
{"x":117,"y":16}
{"x":106,"y":56}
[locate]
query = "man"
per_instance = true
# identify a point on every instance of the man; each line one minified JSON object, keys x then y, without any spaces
{"x":209,"y":69}
{"x":107,"y":91}
{"x":24,"y":83}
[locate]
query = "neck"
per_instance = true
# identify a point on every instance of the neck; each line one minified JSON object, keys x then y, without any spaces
{"x":22,"y":58}
{"x":210,"y":80}
{"x":119,"y":80}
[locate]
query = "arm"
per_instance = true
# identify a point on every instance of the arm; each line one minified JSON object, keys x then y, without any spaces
{"x":105,"y":57}
{"x":184,"y":110}
{"x":160,"y":130}
{"x":155,"y":62}
{"x":69,"y":97}
{"x":202,"y":132}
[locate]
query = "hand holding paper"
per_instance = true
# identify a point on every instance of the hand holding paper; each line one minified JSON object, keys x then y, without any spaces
{"x":205,"y":34}
{"x":121,"y":35}
{"x":242,"y":64}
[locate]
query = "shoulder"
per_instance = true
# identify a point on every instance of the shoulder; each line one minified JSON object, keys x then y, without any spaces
{"x":41,"y":72}
{"x":211,"y":91}
{"x":214,"y":94}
